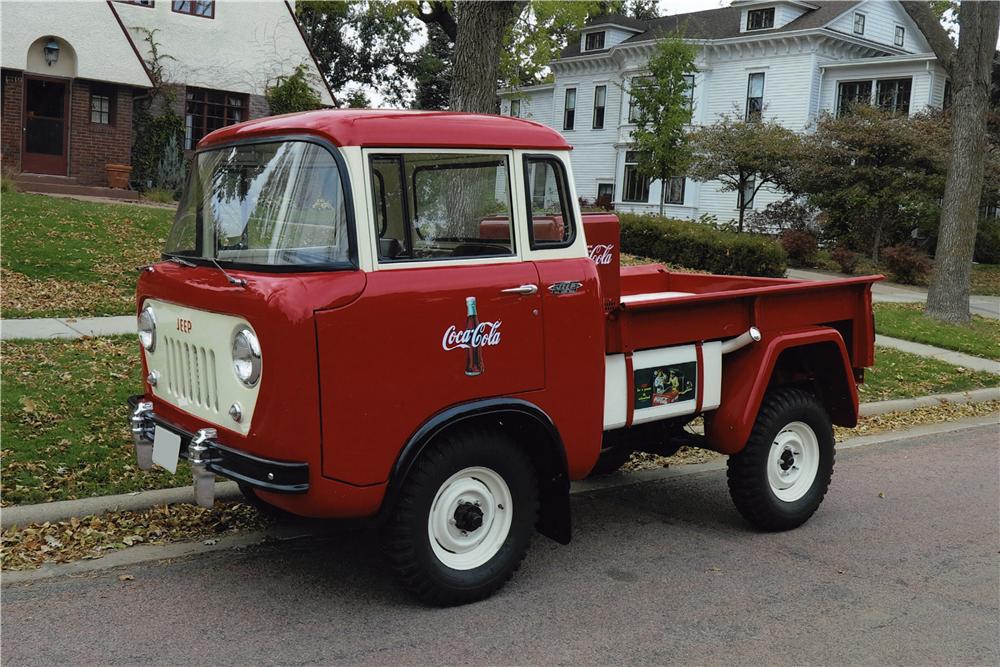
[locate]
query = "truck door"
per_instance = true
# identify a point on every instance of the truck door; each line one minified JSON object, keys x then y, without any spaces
{"x":450,"y":313}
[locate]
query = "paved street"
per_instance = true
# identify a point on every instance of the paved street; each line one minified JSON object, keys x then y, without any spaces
{"x":658,"y":572}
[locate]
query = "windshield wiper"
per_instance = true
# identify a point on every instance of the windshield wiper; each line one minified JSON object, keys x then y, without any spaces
{"x":180,"y":260}
{"x":232,"y":281}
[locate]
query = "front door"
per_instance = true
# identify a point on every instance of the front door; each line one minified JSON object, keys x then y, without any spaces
{"x":45,"y":115}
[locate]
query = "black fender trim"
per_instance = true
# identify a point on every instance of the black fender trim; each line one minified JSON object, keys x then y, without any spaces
{"x":555,"y":519}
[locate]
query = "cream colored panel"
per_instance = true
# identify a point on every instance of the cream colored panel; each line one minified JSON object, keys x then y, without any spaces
{"x":615,"y":392}
{"x":193,"y":356}
{"x":711,"y":355}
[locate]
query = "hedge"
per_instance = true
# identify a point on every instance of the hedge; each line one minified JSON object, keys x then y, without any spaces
{"x":700,"y":246}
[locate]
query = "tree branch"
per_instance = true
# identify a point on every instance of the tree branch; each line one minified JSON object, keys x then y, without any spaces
{"x":438,"y":13}
{"x":930,"y":26}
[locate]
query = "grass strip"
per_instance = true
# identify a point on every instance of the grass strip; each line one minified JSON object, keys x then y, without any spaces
{"x":980,"y":337}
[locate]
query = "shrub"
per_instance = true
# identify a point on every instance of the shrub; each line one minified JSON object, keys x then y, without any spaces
{"x":907,"y":264}
{"x":699,"y":246}
{"x":170,"y":170}
{"x":7,"y":183}
{"x":292,"y":93}
{"x":801,"y":246}
{"x":161,"y":195}
{"x":988,"y":241}
{"x":846,"y":258}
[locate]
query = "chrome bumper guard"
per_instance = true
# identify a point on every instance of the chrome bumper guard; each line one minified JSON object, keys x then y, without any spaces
{"x":209,"y":458}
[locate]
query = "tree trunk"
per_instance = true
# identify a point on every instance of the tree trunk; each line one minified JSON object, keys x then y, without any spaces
{"x":475,"y":73}
{"x":948,"y":298}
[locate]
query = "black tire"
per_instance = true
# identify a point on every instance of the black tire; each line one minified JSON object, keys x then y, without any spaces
{"x":748,"y":472}
{"x":406,"y":538}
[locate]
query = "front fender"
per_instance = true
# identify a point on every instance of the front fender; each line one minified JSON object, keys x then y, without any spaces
{"x":748,"y":374}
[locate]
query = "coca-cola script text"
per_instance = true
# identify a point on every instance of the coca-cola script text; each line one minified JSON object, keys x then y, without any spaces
{"x":486,"y":334}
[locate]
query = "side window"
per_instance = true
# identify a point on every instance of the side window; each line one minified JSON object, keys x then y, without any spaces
{"x":435,"y":206}
{"x":549,"y":210}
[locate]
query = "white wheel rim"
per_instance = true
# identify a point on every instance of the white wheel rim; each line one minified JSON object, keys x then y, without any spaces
{"x":470,"y":496}
{"x":793,"y":462}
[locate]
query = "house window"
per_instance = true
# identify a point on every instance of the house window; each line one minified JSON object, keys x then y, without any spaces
{"x":900,"y":36}
{"x":635,"y":187}
{"x":600,"y":101}
{"x":594,"y":41}
{"x":859,"y":23}
{"x":851,"y":94}
{"x":673,"y":190}
{"x":205,"y":8}
{"x":515,"y":108}
{"x":141,"y":3}
{"x":747,"y":193}
{"x":569,"y":109}
{"x":102,"y":100}
{"x":633,"y":108}
{"x":755,"y":96}
{"x":207,"y":110}
{"x":689,"y":91}
{"x":605,"y":194}
{"x":759,"y":19}
{"x":894,"y":95}
{"x":946,"y":98}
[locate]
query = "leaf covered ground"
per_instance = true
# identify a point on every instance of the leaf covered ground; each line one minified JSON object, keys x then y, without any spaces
{"x":65,"y":258}
{"x":902,"y":375}
{"x":64,"y":420}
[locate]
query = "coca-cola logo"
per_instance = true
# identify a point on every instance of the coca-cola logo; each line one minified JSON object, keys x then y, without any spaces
{"x":485,"y":334}
{"x":601,"y":253}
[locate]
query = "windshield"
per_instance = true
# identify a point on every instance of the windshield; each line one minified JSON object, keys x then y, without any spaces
{"x":269,"y":204}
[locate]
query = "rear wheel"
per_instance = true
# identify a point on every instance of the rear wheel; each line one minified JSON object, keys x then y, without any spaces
{"x":464,"y":518}
{"x":780,"y":478}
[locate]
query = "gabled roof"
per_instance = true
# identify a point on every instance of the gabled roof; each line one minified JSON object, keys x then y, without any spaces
{"x":722,"y":23}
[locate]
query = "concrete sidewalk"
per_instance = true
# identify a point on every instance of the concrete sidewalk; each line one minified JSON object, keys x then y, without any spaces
{"x":948,"y":356}
{"x":66,"y":327}
{"x":886,"y":292}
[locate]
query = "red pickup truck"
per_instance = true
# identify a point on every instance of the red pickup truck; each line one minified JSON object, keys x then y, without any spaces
{"x":404,"y":316}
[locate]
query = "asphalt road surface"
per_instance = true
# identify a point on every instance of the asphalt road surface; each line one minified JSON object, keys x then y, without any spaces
{"x":657,"y":572}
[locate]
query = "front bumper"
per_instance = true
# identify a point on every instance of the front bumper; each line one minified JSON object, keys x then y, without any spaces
{"x":208,"y":457}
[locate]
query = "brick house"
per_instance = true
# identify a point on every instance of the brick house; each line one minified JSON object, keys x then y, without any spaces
{"x":73,"y":71}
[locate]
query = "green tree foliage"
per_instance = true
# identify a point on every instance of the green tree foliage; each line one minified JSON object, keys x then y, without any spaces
{"x":357,"y":99}
{"x":542,"y":30}
{"x":876,"y":175}
{"x":662,"y":111}
{"x":360,"y":43}
{"x":292,"y":93}
{"x":432,"y":70}
{"x":744,"y":156}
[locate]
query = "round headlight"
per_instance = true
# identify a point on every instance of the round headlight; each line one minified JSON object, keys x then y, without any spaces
{"x":246,"y":357}
{"x":147,"y":329}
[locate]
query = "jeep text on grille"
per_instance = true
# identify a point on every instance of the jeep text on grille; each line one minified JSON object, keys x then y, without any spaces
{"x":404,"y":316}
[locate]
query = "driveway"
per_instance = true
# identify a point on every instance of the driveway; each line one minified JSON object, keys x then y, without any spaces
{"x":899,"y":566}
{"x":885,"y":292}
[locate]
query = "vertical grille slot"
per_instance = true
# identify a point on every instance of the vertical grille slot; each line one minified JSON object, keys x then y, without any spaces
{"x":191,"y":374}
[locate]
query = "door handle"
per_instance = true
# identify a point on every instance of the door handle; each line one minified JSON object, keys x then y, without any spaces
{"x":526,"y":290}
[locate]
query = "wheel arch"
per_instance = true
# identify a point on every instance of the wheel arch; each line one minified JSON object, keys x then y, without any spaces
{"x":530,"y":427}
{"x":815,"y":360}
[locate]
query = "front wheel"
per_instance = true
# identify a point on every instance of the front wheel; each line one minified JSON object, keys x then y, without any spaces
{"x":464,"y":518}
{"x":780,"y":478}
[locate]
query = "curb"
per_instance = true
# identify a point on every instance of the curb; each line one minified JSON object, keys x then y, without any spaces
{"x":298,"y":529}
{"x":143,"y":500}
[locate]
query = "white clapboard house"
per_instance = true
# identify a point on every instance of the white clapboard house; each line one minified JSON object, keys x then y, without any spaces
{"x":788,"y":60}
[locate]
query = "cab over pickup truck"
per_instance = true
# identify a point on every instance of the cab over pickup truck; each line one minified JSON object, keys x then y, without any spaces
{"x":404,"y":316}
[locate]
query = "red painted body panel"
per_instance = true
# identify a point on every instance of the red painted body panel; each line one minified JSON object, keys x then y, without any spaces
{"x":383,"y":369}
{"x":395,"y":128}
{"x":746,"y":375}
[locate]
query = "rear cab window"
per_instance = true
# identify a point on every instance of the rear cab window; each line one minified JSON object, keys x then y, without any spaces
{"x":441,"y":205}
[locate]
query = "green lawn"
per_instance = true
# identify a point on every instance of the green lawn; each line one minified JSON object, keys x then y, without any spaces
{"x":63,"y":257}
{"x":986,"y":279}
{"x":980,"y":337}
{"x":64,"y":420}
{"x":901,"y":375}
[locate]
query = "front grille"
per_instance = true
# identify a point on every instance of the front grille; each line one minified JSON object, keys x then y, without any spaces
{"x":191,"y":376}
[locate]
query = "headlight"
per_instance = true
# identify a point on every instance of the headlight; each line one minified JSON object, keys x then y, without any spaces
{"x":147,"y":329}
{"x":246,"y":357}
